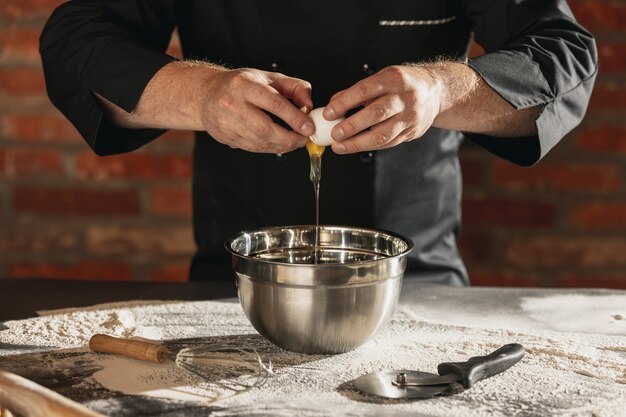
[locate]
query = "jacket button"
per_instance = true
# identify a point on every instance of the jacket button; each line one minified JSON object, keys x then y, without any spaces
{"x":275,"y":66}
{"x":368,"y":69}
{"x":366,"y":157}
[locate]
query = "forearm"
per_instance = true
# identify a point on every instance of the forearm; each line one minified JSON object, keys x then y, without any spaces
{"x":468,"y":104}
{"x":171,"y":100}
{"x":232,"y":106}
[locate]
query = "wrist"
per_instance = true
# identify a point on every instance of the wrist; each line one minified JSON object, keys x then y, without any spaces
{"x":430,"y":82}
{"x":198,"y":80}
{"x":438,"y":87}
{"x":457,"y":83}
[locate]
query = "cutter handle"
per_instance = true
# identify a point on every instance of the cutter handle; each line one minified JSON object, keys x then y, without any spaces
{"x":26,"y":398}
{"x":134,"y":349}
{"x":482,"y":367}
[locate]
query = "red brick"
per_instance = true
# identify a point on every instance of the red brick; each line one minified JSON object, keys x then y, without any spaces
{"x":559,"y":177}
{"x":86,"y":270}
{"x":30,"y":162}
{"x":170,"y":273}
{"x":567,"y":252}
{"x":508,"y":212}
{"x":608,"y":97}
{"x":612,"y":57}
{"x":177,"y":136}
{"x":132,"y":165}
{"x":608,"y":139}
{"x":476,"y":246}
{"x":476,"y":50}
{"x":22,"y":81}
{"x":473,"y":171}
{"x":174,"y":48}
{"x":149,"y":241}
{"x":506,"y":278}
{"x":71,"y":201}
{"x":593,"y":280}
{"x":37,"y":239}
{"x":39,"y":128}
{"x":599,"y":215}
{"x":17,"y":44}
{"x":600,"y":15}
{"x":27,"y":8}
{"x":170,"y":201}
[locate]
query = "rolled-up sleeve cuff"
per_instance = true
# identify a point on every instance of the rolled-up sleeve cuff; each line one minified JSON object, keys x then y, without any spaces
{"x":138,"y":65}
{"x":529,"y":89}
{"x":122,"y":73}
{"x":83,"y":109}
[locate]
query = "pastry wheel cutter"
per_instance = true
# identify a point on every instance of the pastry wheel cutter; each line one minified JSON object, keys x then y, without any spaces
{"x":453,"y":376}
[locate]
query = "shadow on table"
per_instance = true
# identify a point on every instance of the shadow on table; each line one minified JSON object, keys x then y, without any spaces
{"x":220,"y":366}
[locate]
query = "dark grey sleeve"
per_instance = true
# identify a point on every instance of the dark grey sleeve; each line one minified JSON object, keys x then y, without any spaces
{"x":109,"y":47}
{"x":537,"y":54}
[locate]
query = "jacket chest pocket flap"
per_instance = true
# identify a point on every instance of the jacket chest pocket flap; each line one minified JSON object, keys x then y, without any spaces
{"x":415,"y":30}
{"x":416,"y":13}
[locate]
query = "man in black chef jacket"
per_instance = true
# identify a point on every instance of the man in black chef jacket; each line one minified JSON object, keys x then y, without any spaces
{"x":395,"y":165}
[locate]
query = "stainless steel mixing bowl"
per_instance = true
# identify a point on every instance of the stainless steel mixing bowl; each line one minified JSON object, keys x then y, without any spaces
{"x":329,"y":302}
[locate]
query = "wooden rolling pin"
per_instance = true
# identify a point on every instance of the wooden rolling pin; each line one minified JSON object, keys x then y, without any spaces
{"x":4,"y":412}
{"x":135,"y":349}
{"x":26,"y":398}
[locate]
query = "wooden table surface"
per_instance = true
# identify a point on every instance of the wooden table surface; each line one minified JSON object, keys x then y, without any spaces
{"x":583,"y":315}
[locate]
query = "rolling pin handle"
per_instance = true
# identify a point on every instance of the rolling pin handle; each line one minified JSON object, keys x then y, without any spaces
{"x":134,"y":349}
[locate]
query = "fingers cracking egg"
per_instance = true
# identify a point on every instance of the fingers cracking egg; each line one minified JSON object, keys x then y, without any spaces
{"x":323,"y":127}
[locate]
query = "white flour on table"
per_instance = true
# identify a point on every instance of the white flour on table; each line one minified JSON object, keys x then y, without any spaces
{"x":562,"y":374}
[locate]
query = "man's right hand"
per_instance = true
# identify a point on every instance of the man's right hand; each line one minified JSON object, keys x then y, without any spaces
{"x":236,"y":106}
{"x":233,"y":106}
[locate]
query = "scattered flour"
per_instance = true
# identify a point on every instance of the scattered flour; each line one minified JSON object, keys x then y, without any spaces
{"x":586,"y":311}
{"x":563,"y":373}
{"x":149,"y":379}
{"x":578,"y":313}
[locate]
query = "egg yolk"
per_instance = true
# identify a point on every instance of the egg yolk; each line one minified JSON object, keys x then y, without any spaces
{"x":314,"y":150}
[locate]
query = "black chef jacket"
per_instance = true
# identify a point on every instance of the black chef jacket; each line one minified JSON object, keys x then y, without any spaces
{"x":537,"y":54}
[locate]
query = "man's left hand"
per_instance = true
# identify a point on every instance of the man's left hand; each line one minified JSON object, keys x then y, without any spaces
{"x":400,"y":104}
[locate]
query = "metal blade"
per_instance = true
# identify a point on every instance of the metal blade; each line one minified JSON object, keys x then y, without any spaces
{"x":382,"y":384}
{"x":419,"y":379}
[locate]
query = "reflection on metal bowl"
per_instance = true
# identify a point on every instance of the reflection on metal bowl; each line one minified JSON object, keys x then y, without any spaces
{"x":331,"y":301}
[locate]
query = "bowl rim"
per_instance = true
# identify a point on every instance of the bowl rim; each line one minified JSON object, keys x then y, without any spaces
{"x":362,"y":263}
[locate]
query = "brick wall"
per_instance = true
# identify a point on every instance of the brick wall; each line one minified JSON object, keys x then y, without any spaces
{"x":66,"y":213}
{"x":563,"y":222}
